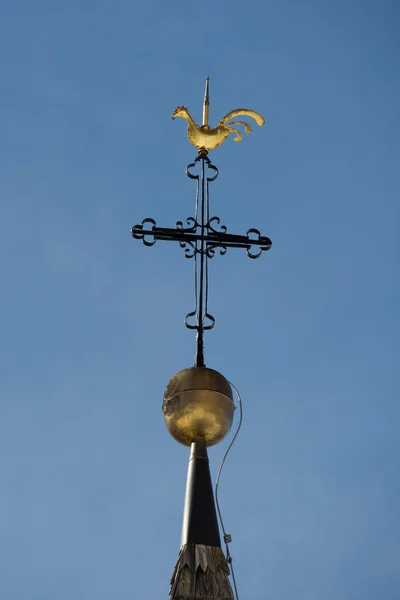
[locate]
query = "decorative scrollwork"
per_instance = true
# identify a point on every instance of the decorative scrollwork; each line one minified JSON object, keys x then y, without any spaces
{"x":209,"y":164}
{"x":191,"y":315}
{"x":210,"y":249}
{"x":192,"y":229}
{"x":211,"y":320}
{"x":136,"y":232}
{"x":223,"y":229}
{"x":189,"y":251}
{"x":262,"y":242}
{"x":190,"y":166}
{"x":204,"y":325}
{"x":213,"y":168}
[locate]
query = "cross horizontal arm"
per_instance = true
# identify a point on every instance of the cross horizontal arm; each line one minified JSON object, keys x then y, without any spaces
{"x":212,"y":239}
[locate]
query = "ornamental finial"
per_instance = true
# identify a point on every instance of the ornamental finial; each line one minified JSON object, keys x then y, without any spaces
{"x":206,"y":138}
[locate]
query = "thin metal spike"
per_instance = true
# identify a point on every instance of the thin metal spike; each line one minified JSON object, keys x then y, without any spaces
{"x":206,"y":103}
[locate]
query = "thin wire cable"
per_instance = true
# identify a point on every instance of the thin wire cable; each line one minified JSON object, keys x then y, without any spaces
{"x":195,"y":254}
{"x":195,"y":290}
{"x":196,"y":212}
{"x":206,"y":288}
{"x":228,"y":537}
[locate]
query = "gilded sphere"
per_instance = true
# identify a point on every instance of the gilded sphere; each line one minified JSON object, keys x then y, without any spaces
{"x":198,"y":403}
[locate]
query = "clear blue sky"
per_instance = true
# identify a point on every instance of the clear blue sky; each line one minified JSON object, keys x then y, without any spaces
{"x":92,"y":321}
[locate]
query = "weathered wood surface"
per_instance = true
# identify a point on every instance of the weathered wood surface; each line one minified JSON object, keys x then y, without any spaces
{"x":201,"y":573}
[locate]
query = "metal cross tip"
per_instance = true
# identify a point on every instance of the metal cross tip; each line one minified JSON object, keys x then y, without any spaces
{"x":206,"y":104}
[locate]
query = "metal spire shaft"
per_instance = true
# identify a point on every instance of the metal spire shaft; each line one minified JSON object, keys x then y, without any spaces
{"x":202,"y":570}
{"x":200,"y":524}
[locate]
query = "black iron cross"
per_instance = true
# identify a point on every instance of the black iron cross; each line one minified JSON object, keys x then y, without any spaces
{"x":202,"y":236}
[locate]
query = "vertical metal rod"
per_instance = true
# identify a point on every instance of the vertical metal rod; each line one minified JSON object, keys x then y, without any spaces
{"x":200,"y":316}
{"x":206,"y":103}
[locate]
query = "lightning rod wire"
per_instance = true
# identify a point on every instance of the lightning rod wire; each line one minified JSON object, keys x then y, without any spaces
{"x":227,"y":536}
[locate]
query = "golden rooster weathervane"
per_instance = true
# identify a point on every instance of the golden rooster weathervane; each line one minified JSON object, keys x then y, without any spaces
{"x":206,"y":138}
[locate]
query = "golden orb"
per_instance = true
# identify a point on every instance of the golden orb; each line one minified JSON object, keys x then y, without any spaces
{"x":198,"y":403}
